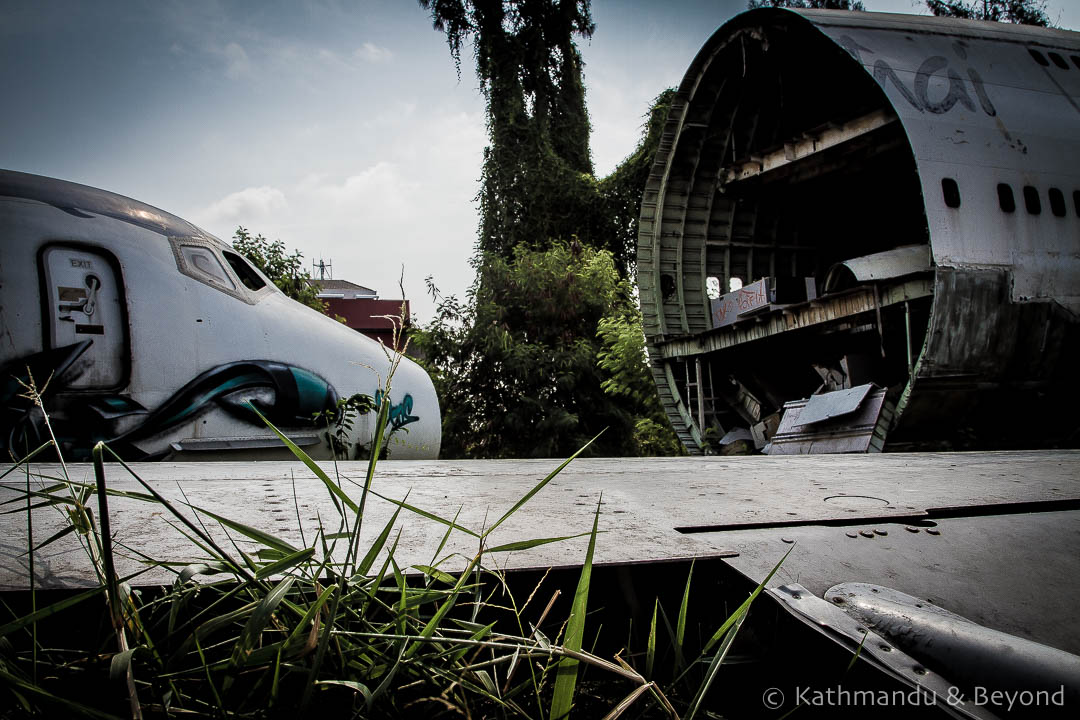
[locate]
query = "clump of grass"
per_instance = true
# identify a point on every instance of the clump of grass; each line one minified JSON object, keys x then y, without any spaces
{"x":325,"y":627}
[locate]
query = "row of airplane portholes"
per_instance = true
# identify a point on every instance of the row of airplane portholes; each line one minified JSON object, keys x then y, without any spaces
{"x":1032,"y":201}
{"x":1058,"y":60}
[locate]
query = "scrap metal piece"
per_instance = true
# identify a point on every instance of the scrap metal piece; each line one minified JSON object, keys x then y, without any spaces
{"x":898,"y":262}
{"x":976,"y":656}
{"x":833,"y":404}
{"x":832,"y":622}
{"x":862,"y":430}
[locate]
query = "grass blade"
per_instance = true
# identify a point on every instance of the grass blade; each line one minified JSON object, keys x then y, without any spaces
{"x":526,"y":544}
{"x":650,"y":648}
{"x":258,"y":620}
{"x":311,"y":464}
{"x":49,"y":610}
{"x":254,"y":533}
{"x":745,"y":605}
{"x":425,"y":514}
{"x":539,"y":486}
{"x":680,"y":623}
{"x":566,"y":677}
{"x":285,"y":563}
{"x":437,"y":618}
{"x":380,"y":542}
{"x":717,"y":661}
{"x":627,"y":702}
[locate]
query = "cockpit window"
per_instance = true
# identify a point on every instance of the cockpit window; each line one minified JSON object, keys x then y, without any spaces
{"x":250,"y":279}
{"x":204,"y":263}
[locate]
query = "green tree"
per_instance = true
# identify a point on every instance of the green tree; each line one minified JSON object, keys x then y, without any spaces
{"x":547,"y":349}
{"x":542,"y":358}
{"x":1021,"y":12}
{"x":284,"y":270}
{"x":539,"y":358}
{"x":537,"y":180}
{"x":809,"y":4}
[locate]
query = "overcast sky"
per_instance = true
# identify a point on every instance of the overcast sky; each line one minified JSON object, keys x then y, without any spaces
{"x":338,"y":127}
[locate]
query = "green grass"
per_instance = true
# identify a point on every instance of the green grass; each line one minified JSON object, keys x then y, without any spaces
{"x":263,"y":628}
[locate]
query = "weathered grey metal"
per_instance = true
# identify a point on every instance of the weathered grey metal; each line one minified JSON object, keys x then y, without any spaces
{"x":857,"y":423}
{"x":975,"y":656}
{"x":898,"y":262}
{"x":825,"y":312}
{"x":932,"y":689}
{"x":657,"y":509}
{"x":833,"y":404}
{"x":801,"y":141}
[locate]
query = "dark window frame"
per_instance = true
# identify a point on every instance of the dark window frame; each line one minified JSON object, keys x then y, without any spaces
{"x":1057,"y":202}
{"x":1006,"y":199}
{"x":244,"y":271}
{"x":1032,"y":201}
{"x":950,"y":192}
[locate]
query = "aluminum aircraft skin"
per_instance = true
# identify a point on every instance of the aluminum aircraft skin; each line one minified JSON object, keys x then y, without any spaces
{"x":921,"y":176}
{"x":146,"y":332}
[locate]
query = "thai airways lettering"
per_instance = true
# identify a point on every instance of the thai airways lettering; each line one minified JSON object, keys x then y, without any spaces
{"x":400,"y":414}
{"x":918,"y":95}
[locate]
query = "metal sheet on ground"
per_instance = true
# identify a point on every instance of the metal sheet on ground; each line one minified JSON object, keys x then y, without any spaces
{"x":644,"y":502}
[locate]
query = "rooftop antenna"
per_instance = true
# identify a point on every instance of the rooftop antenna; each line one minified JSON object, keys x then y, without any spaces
{"x":325,"y":270}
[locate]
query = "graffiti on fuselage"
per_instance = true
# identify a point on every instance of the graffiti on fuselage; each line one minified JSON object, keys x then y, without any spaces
{"x":79,"y":420}
{"x":918,"y":95}
{"x":400,"y":414}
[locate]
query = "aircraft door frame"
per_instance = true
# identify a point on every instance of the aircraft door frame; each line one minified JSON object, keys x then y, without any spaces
{"x":82,"y":296}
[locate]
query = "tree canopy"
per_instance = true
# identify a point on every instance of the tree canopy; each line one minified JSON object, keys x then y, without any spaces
{"x":1022,"y":12}
{"x":547,"y":350}
{"x":285,"y":270}
{"x":537,"y":179}
{"x":815,"y":4}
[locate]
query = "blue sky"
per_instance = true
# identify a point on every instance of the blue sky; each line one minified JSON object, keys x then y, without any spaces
{"x":338,"y":127}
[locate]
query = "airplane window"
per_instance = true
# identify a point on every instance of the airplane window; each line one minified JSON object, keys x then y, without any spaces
{"x":245,"y":272}
{"x":1031,"y":200}
{"x":951,"y":191}
{"x":1076,"y":61}
{"x":206,"y":263}
{"x":1076,"y":201}
{"x":712,"y":287}
{"x":1057,"y":202}
{"x":1059,"y":61}
{"x":1005,"y":197}
{"x":1039,"y":57}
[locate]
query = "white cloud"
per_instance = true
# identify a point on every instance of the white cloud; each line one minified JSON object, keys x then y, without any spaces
{"x":250,"y":206}
{"x":237,"y":63}
{"x":369,"y":52}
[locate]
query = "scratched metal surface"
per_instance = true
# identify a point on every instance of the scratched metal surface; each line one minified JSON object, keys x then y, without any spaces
{"x":974,"y":104}
{"x":1016,"y":573}
{"x":645,"y":503}
{"x":977,"y":107}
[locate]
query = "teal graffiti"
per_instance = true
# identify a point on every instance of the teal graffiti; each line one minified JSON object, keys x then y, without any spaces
{"x":400,"y":414}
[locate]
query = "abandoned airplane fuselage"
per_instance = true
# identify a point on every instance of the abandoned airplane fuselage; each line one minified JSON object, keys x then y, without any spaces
{"x":146,"y":332}
{"x":899,"y":197}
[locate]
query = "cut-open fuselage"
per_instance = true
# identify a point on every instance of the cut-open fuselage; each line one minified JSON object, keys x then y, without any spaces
{"x":898,"y":197}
